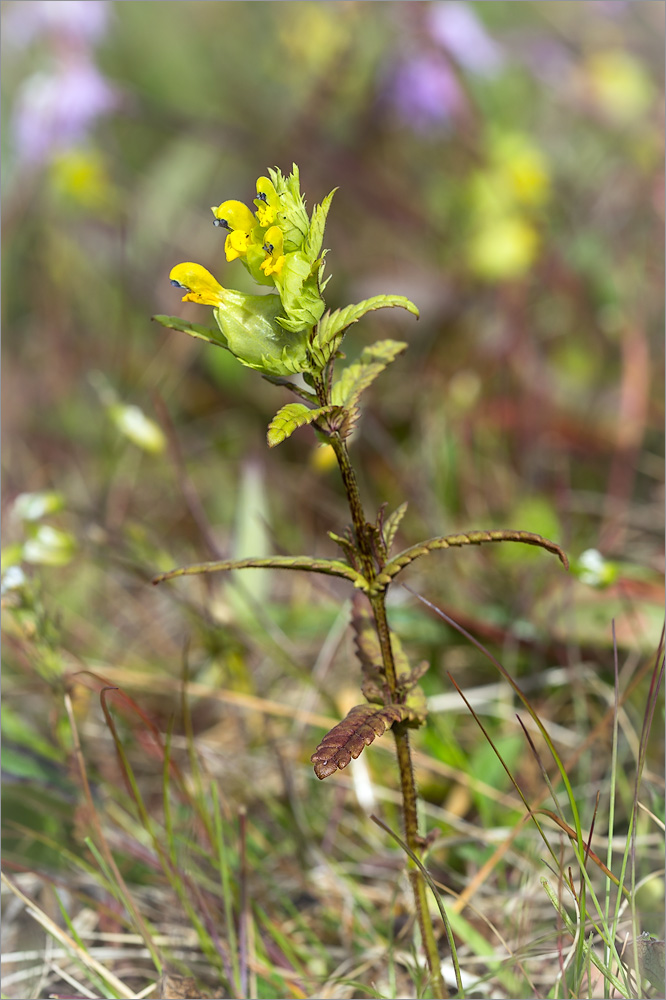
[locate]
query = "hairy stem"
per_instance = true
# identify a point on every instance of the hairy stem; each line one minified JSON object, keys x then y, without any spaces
{"x":400,"y":731}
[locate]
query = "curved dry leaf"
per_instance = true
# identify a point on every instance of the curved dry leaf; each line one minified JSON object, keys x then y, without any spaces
{"x":346,"y":741}
{"x":468,"y":538}
{"x":331,"y":567}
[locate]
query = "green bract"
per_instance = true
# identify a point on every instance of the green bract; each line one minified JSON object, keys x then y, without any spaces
{"x":280,"y":246}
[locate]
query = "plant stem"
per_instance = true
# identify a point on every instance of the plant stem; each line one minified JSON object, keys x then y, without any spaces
{"x":400,"y":731}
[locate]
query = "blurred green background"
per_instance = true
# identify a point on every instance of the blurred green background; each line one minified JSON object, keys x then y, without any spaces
{"x":499,"y":163}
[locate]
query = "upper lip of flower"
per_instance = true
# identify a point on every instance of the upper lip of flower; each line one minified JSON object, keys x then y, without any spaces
{"x":198,"y":283}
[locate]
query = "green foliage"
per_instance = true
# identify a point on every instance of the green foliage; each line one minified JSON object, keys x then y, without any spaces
{"x":195,"y":330}
{"x":355,"y":378}
{"x":333,"y":326}
{"x":299,"y":291}
{"x":392,"y":523}
{"x":315,"y":238}
{"x":528,"y":229}
{"x":290,"y":417}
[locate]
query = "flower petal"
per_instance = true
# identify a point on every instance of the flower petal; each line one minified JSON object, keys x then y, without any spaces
{"x":199,"y":284}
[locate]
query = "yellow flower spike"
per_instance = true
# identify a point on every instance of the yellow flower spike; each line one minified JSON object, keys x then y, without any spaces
{"x":199,"y":284}
{"x":273,"y":246}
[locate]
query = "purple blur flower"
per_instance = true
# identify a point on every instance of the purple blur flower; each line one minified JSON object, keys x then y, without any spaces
{"x":56,"y":110}
{"x":612,"y":8}
{"x":74,"y":21}
{"x":458,"y":30}
{"x":425,"y":92}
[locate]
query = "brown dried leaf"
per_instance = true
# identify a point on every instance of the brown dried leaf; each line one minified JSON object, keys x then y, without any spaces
{"x":175,"y":987}
{"x":346,"y":741}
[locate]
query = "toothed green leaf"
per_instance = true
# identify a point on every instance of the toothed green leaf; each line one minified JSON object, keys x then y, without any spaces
{"x":332,"y":326}
{"x":384,"y":351}
{"x":392,"y":523}
{"x":353,"y":380}
{"x":357,"y":377}
{"x":317,"y":225}
{"x":290,"y":418}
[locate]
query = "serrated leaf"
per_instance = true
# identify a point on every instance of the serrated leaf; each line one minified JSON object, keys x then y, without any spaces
{"x":366,"y":639}
{"x":392,"y":568}
{"x":332,"y":326}
{"x":392,"y":523}
{"x":331,"y":567}
{"x":368,"y":648}
{"x":353,"y":380}
{"x":295,"y":222}
{"x":358,"y":376}
{"x":417,"y":706}
{"x":317,"y":226}
{"x":289,"y":418}
{"x":299,"y":293}
{"x":385,"y":351}
{"x":415,"y":675}
{"x":193,"y":329}
{"x":347,"y":740}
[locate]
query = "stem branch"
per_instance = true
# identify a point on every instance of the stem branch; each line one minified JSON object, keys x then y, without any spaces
{"x":400,"y":731}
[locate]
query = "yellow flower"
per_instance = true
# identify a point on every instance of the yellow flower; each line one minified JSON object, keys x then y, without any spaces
{"x":234,"y":215}
{"x":267,"y":202}
{"x":199,"y":284}
{"x":273,"y":246}
{"x":236,"y":244}
{"x":239,"y":220}
{"x":503,"y":249}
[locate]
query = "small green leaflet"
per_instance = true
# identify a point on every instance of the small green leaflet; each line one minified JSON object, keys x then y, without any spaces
{"x":193,"y":329}
{"x":332,"y":326}
{"x":289,"y":418}
{"x":358,"y":376}
{"x":316,"y":233}
{"x":392,"y":523}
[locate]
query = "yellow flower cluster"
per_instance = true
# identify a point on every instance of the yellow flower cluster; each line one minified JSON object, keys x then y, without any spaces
{"x":281,"y":246}
{"x":257,"y":238}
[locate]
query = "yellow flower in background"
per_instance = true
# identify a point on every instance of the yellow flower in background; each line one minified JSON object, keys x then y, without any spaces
{"x":80,"y":176}
{"x":505,"y":248}
{"x":523,"y":167}
{"x":517,"y":176}
{"x":323,"y":458}
{"x":504,"y":200}
{"x":619,"y":84}
{"x":273,"y":245}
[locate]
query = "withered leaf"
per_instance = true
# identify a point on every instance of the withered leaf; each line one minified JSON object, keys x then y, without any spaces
{"x":365,"y":636}
{"x":346,"y":740}
{"x":175,"y":987}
